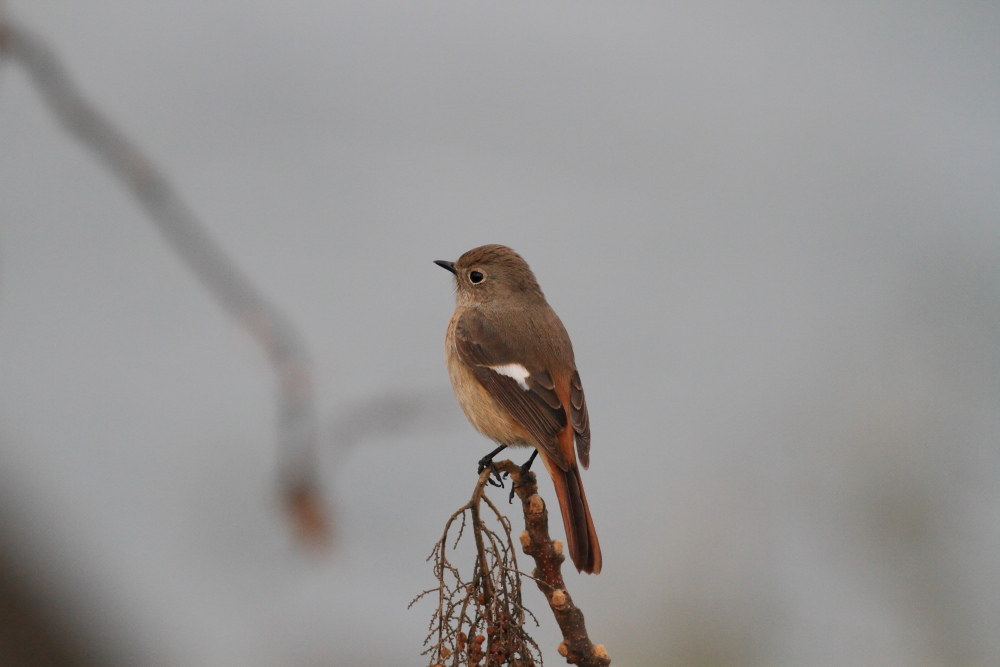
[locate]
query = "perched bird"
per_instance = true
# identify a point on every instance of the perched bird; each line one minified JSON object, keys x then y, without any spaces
{"x":511,"y":365}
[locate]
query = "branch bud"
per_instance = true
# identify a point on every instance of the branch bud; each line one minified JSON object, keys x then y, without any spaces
{"x":559,"y":598}
{"x":525,"y":541}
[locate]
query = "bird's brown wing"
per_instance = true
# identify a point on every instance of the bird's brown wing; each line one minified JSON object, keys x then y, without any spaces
{"x":579,"y":419}
{"x":537,"y":408}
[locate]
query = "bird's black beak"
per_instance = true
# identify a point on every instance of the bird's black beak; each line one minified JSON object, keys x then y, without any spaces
{"x":446,"y":265}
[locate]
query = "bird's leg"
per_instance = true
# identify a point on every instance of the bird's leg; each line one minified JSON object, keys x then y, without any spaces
{"x":527,"y":464}
{"x":524,"y":471}
{"x":487,"y":461}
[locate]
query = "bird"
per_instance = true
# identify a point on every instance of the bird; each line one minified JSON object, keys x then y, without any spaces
{"x":511,"y":365}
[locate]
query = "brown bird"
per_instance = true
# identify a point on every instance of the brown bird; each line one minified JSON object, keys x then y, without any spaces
{"x":511,"y":365}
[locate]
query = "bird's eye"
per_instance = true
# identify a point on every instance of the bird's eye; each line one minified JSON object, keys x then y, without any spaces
{"x":476,"y":277}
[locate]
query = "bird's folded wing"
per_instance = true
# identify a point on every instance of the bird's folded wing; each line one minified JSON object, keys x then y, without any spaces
{"x":579,"y":419}
{"x":528,"y":394}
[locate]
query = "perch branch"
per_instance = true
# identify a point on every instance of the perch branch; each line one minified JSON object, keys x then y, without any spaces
{"x":576,"y":646}
{"x":184,"y":232}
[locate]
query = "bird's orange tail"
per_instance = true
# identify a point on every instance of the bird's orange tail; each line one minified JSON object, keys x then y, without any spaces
{"x":581,"y":538}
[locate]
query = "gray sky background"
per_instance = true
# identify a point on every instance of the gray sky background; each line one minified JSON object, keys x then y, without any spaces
{"x":772,"y":230}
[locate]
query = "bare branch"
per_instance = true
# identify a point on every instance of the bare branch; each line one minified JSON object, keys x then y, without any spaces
{"x":184,"y":232}
{"x":548,"y":555}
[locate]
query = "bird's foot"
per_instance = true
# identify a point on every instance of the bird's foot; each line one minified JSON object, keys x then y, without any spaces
{"x":487,"y":462}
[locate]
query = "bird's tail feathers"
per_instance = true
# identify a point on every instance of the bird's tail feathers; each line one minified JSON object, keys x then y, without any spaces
{"x":581,"y":538}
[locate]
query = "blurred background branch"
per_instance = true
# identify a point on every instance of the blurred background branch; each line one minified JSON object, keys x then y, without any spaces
{"x":186,"y":234}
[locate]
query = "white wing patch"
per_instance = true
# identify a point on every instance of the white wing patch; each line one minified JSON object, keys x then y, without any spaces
{"x":516,"y":371}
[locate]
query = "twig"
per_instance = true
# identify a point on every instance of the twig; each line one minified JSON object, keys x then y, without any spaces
{"x":282,"y":343}
{"x":483,"y":581}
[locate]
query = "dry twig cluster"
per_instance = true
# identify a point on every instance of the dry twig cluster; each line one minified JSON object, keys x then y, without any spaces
{"x":479,"y":620}
{"x":487,"y":607}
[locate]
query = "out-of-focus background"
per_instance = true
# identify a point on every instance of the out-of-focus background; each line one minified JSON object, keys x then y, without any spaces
{"x":772,"y":229}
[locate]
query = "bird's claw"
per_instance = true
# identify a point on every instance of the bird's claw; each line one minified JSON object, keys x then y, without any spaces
{"x":487,"y":462}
